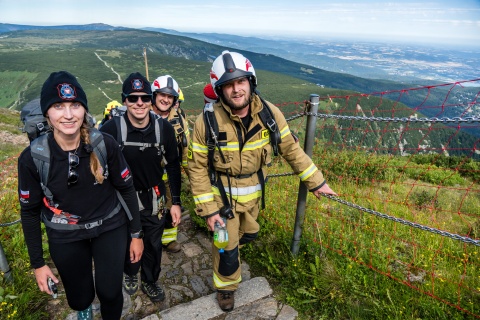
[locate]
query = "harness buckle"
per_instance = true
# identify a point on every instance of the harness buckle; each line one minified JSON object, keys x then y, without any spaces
{"x":272,"y":125}
{"x":92,"y":225}
{"x":211,"y":146}
{"x":144,"y":146}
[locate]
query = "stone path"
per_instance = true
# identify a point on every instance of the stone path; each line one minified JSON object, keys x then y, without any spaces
{"x":189,"y":293}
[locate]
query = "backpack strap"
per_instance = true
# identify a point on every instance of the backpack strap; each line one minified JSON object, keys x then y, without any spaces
{"x":269,"y":122}
{"x":40,"y":151}
{"x":211,"y":134}
{"x":211,"y":126}
{"x":98,"y":145}
{"x":179,"y":132}
{"x":121,"y":125}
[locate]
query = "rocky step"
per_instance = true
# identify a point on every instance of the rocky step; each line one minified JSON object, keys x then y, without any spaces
{"x":253,"y":300}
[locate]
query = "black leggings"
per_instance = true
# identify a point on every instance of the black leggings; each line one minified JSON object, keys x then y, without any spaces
{"x":152,"y":250}
{"x":74,"y":264}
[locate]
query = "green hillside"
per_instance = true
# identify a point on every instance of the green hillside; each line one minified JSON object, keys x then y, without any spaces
{"x":131,"y":42}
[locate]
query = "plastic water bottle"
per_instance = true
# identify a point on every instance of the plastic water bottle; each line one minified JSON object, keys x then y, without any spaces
{"x":220,"y":236}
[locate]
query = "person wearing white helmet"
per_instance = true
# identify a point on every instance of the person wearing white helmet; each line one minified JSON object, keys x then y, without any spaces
{"x":166,"y":95}
{"x":227,"y":171}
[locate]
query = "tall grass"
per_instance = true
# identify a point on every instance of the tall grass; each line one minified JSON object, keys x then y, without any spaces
{"x":21,"y":298}
{"x":356,"y":265}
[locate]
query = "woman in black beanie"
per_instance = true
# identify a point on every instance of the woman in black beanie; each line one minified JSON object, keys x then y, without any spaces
{"x":78,"y":203}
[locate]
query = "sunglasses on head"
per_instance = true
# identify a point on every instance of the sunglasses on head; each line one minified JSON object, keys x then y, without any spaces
{"x":134,"y":98}
{"x":73,"y":161}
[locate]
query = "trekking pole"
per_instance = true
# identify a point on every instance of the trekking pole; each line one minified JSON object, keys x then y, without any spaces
{"x":4,"y":266}
{"x":302,"y":190}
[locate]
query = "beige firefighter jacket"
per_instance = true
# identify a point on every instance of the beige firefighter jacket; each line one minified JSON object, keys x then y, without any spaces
{"x":255,"y":155}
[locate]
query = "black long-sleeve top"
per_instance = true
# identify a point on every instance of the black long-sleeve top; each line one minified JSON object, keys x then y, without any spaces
{"x":86,"y":198}
{"x":146,"y":164}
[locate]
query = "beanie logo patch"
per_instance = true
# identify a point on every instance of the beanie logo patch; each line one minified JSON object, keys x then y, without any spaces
{"x":66,"y":91}
{"x":137,"y":84}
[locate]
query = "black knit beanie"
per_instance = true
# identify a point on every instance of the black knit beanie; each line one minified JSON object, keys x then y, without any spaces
{"x":59,"y":87}
{"x":135,"y":83}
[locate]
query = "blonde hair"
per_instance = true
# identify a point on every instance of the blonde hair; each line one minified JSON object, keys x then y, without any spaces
{"x":95,"y":165}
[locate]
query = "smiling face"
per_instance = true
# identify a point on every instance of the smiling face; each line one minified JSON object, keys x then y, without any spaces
{"x":66,"y":117}
{"x":237,"y":93}
{"x":138,"y":106}
{"x":163,"y":103}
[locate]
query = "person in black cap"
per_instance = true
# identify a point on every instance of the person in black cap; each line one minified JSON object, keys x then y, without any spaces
{"x":78,"y":203}
{"x":147,"y":140}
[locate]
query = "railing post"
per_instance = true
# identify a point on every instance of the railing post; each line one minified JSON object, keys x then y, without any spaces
{"x":4,"y":266}
{"x":302,"y":190}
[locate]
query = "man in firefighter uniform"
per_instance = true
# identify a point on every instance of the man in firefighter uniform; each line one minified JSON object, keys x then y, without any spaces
{"x":166,"y":94}
{"x":229,"y":181}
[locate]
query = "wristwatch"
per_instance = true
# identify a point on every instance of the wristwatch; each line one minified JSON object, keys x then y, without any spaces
{"x":137,"y":235}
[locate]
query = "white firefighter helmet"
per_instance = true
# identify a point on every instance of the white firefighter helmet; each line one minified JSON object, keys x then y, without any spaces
{"x":166,"y":84}
{"x":229,"y":66}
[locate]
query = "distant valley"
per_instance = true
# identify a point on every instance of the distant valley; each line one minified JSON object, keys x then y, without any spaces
{"x":390,"y":61}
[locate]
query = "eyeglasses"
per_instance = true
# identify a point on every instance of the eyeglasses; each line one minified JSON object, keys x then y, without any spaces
{"x":134,"y":98}
{"x":73,"y":161}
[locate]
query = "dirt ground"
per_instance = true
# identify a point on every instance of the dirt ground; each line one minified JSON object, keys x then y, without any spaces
{"x":17,"y":139}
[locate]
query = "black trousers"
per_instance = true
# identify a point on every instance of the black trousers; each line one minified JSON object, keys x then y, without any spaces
{"x":152,"y":249}
{"x":74,"y":264}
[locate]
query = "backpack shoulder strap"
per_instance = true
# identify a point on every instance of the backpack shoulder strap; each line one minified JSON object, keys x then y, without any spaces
{"x":180,"y":134}
{"x":266,"y":115}
{"x":98,"y":145}
{"x":118,"y":125}
{"x":40,"y":151}
{"x":121,"y":125}
{"x":211,"y":133}
{"x":159,"y":137}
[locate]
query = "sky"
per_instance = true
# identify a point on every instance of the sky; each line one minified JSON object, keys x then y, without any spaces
{"x":436,"y":21}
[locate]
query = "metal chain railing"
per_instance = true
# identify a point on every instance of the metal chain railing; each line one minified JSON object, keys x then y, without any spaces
{"x":406,"y":222}
{"x":7,"y":224}
{"x":376,"y":213}
{"x":396,"y":119}
{"x":395,"y":219}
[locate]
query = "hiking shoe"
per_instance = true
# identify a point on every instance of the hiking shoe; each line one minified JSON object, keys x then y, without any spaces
{"x":226,"y":299}
{"x":153,"y":291}
{"x":130,"y":283}
{"x":86,"y":314}
{"x":173,"y":247}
